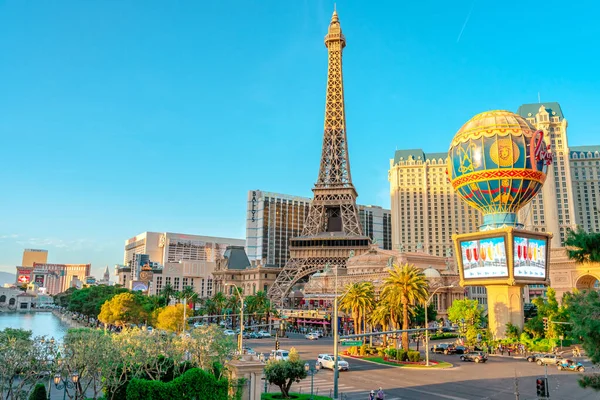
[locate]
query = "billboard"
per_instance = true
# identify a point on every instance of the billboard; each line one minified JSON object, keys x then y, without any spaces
{"x":139,"y":286}
{"x":484,"y":258}
{"x":530,"y":257}
{"x":24,"y":275}
{"x":39,"y":280}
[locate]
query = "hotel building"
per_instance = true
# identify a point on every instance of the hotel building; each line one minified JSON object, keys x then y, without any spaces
{"x":272,"y":219}
{"x":177,"y":259}
{"x":426,"y":211}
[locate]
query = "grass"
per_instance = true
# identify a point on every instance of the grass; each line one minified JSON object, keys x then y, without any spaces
{"x":295,"y":396}
{"x":380,"y":360}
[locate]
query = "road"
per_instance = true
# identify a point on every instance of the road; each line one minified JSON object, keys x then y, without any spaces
{"x":465,"y":381}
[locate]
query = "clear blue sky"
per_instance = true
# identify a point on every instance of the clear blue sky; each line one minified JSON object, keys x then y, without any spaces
{"x":118,"y":117}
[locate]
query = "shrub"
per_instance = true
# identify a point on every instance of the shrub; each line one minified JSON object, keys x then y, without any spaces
{"x":363,"y":350}
{"x":414,"y":356}
{"x":391,"y":353}
{"x":402,"y":355}
{"x":194,"y":383}
{"x":39,"y":392}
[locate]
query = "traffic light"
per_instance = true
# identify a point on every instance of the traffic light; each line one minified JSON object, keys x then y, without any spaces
{"x":277,"y":345}
{"x":541,"y":387}
{"x":545,"y":323}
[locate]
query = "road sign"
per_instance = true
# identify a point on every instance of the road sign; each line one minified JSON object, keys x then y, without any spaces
{"x":352,"y":343}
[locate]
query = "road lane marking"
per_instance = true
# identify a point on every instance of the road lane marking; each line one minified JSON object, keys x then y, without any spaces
{"x":444,"y":396}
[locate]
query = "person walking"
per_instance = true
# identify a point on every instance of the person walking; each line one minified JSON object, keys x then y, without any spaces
{"x":380,"y":394}
{"x":372,"y":395}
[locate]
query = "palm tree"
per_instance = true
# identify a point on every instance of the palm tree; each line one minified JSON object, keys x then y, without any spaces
{"x":219,"y":301}
{"x":382,"y":315}
{"x":583,"y":246}
{"x":233,"y":304}
{"x":167,"y":292}
{"x":405,"y":287}
{"x":189,"y":296}
{"x":358,"y":299}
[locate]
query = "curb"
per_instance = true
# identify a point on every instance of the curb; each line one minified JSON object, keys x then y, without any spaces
{"x":402,"y":366}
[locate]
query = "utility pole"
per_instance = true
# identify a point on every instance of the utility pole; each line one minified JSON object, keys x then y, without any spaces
{"x":516,"y":386}
{"x":335,"y":338}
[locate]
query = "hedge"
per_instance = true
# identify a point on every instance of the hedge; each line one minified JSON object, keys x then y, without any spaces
{"x":194,"y":384}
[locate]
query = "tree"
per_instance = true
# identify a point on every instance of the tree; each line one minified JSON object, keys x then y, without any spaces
{"x":583,"y":246}
{"x":167,"y":292}
{"x":405,"y":287}
{"x":124,"y":308}
{"x":90,"y":353}
{"x":208,"y":345}
{"x":584,"y":311}
{"x":358,"y":300}
{"x":550,"y":309}
{"x":189,"y":296}
{"x":382,"y":315}
{"x":88,"y":301}
{"x":22,"y":360}
{"x":170,"y":318}
{"x":418,"y":315}
{"x":466,"y":313}
{"x":284,"y":374}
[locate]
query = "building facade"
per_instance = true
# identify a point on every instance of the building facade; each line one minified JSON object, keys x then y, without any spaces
{"x":235,"y":269}
{"x":31,"y":256}
{"x":426,"y":211}
{"x":176,"y":259}
{"x":553,"y":209}
{"x":272,"y":219}
{"x":55,"y":278}
{"x":585,"y":174}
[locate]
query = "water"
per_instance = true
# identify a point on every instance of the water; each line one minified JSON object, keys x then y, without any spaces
{"x":39,"y":323}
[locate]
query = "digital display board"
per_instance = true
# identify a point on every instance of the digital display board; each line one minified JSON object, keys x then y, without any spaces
{"x":529,"y":257}
{"x":484,"y":258}
{"x":139,"y":286}
{"x":39,"y":280}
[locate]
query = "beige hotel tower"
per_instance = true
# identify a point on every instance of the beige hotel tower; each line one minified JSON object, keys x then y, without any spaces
{"x":426,"y":211}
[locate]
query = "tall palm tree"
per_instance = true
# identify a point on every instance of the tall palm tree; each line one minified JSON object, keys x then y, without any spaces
{"x":583,"y":246}
{"x":358,"y":299}
{"x":233,"y":304}
{"x":404,"y":287}
{"x":382,"y":315}
{"x":219,"y":301}
{"x":167,"y":292}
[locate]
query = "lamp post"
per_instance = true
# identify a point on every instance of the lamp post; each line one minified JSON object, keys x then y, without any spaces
{"x":311,"y":372}
{"x":65,"y":384}
{"x":49,"y":343}
{"x":336,"y":371}
{"x":426,"y":322}
{"x":241,"y":337}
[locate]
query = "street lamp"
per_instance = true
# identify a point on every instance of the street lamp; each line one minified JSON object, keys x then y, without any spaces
{"x":426,"y":322}
{"x":336,"y":371}
{"x":241,"y":337}
{"x":311,"y":372}
{"x":65,"y":384}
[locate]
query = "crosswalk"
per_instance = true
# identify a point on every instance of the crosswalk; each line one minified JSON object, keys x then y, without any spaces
{"x":323,"y":386}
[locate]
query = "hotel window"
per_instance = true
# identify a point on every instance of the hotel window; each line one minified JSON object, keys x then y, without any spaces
{"x":185,"y":283}
{"x":176,"y":283}
{"x":158,"y":284}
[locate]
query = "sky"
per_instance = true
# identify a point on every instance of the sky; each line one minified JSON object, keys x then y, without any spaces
{"x":119,"y":117}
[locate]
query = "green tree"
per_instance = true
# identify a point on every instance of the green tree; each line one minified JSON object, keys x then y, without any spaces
{"x":584,"y":312}
{"x":167,"y":292}
{"x":124,"y":308}
{"x":417,"y":318}
{"x":550,"y":309}
{"x":583,"y":246}
{"x":208,"y":345}
{"x":284,"y":374}
{"x":170,"y":318}
{"x":39,"y":393}
{"x":358,"y":299}
{"x":189,"y":296}
{"x":466,"y":313}
{"x":405,"y":287}
{"x":382,"y":315}
{"x":88,"y":301}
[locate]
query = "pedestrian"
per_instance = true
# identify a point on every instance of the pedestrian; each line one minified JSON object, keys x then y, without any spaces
{"x":372,"y":395}
{"x":508,"y":349}
{"x":380,"y":394}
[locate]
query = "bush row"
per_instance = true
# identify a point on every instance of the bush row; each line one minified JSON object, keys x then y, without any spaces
{"x":193,"y":384}
{"x":403,"y":355}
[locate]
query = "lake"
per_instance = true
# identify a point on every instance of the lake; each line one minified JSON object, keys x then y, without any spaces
{"x":39,"y":323}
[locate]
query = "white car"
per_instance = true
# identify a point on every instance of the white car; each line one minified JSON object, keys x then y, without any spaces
{"x":228,"y":332}
{"x":264,"y":334}
{"x":328,"y":361}
{"x":312,"y":336}
{"x":280,"y":355}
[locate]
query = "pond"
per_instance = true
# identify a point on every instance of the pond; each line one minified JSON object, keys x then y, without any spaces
{"x":39,"y":323}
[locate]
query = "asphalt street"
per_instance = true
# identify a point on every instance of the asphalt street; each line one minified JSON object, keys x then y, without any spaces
{"x":465,"y":381}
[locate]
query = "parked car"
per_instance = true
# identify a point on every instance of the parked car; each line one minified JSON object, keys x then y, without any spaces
{"x":570,"y":365}
{"x":228,"y":332}
{"x":443,"y":348}
{"x":548,"y":359}
{"x":264,"y":334}
{"x":534,"y":357}
{"x":254,"y":335}
{"x":312,"y":336}
{"x":328,"y":361}
{"x":461,"y":350}
{"x":475,"y":356}
{"x":249,"y":350}
{"x":280,"y":355}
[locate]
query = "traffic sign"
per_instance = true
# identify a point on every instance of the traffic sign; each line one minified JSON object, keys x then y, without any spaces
{"x":352,"y":343}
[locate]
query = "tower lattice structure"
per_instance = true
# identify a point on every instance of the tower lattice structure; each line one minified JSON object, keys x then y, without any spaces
{"x":332,"y":231}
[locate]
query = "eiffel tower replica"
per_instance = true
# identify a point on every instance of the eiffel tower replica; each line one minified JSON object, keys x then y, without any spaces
{"x":332,"y":232}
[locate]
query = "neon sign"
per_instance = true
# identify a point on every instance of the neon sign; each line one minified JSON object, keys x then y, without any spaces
{"x":537,"y":152}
